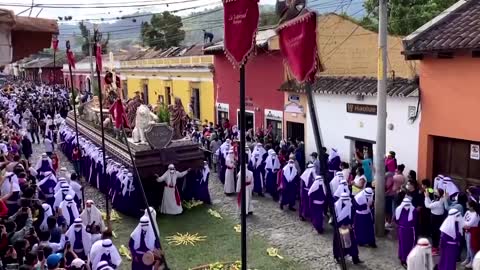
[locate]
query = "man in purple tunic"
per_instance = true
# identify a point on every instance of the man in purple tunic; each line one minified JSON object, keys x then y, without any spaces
{"x":43,"y":166}
{"x":201,"y":192}
{"x":333,"y":163}
{"x":450,"y":240}
{"x":255,"y":165}
{"x":316,"y":195}
{"x":306,"y":181}
{"x":142,"y":240}
{"x":47,"y":188}
{"x":272,"y":166}
{"x":343,"y":210}
{"x":406,"y":218}
{"x":79,"y":238}
{"x":363,"y":220}
{"x":289,"y":185}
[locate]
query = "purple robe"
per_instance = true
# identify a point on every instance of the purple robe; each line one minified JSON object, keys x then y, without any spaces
{"x":304,"y":207}
{"x":48,"y":191}
{"x":44,"y":168}
{"x":257,"y":177}
{"x":317,"y":204}
{"x":271,"y":183}
{"x":364,"y":223}
{"x":406,"y":234}
{"x":449,"y":248}
{"x":289,"y":191}
{"x":201,"y":192}
{"x":223,"y":167}
{"x":78,"y":247}
{"x":333,"y":167}
{"x":137,"y":254}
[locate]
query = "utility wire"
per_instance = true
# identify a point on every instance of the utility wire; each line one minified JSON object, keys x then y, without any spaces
{"x":184,"y":19}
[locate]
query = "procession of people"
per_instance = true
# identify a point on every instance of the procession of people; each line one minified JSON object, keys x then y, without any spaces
{"x":47,"y":221}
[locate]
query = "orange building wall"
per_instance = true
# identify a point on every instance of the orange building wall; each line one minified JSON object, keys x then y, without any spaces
{"x":450,"y":104}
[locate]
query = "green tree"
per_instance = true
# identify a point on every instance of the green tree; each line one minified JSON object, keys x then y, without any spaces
{"x":84,"y":32}
{"x":404,"y":16}
{"x":163,"y":31}
{"x":268,"y":18}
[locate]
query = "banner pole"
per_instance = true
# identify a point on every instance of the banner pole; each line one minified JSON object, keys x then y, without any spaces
{"x":100,"y":100}
{"x":142,"y":190}
{"x":323,"y":166}
{"x":243,"y":169}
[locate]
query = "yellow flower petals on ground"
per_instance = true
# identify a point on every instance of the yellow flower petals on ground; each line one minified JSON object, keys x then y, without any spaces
{"x":215,"y":214}
{"x":184,"y":239}
{"x":273,"y":252}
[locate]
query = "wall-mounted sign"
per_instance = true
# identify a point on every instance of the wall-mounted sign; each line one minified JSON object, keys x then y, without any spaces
{"x":293,"y":98}
{"x":293,"y":107}
{"x":412,"y":111}
{"x":362,"y":108}
{"x":273,"y":114}
{"x":223,"y":107}
{"x":475,"y":151}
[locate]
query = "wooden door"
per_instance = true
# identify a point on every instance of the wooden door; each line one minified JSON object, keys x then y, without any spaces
{"x":451,"y":157}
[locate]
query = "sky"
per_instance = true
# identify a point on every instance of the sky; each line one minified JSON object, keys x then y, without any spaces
{"x":183,"y":7}
{"x":97,"y":13}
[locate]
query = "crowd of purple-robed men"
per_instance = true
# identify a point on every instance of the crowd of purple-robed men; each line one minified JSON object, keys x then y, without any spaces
{"x":281,"y":172}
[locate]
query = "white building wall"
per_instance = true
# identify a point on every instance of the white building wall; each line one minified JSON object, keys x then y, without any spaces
{"x":335,"y":123}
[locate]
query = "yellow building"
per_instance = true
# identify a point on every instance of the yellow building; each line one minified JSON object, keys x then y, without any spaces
{"x":161,"y":76}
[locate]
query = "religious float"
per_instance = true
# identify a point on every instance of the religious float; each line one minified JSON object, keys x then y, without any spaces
{"x":153,"y":145}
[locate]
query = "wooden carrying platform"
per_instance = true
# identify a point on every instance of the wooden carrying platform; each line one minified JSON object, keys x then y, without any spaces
{"x":150,"y":159}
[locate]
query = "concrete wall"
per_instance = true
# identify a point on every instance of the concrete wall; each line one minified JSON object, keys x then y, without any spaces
{"x":450,"y":101}
{"x":335,"y":123}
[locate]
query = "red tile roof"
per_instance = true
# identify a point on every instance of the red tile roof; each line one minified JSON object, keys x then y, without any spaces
{"x":364,"y":86}
{"x":454,"y":29}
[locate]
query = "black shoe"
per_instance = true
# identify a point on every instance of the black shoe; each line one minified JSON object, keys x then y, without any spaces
{"x":357,"y":260}
{"x":337,"y":260}
{"x":302,"y":218}
{"x":292,"y":208}
{"x":281,"y":207}
{"x":404,"y":265}
{"x":373,"y":245}
{"x":261,"y":195}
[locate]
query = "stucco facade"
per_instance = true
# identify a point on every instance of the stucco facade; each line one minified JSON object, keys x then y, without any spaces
{"x":164,"y":79}
{"x":264,"y":73}
{"x":450,"y":100}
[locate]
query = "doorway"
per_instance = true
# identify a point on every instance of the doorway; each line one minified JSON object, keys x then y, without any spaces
{"x":168,"y":95}
{"x":458,"y":159}
{"x":295,"y":131}
{"x":249,"y":120}
{"x":221,"y":115}
{"x":89,"y":85}
{"x":196,"y":103}
{"x":276,"y":128}
{"x":361,"y":147}
{"x":145,"y":93}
